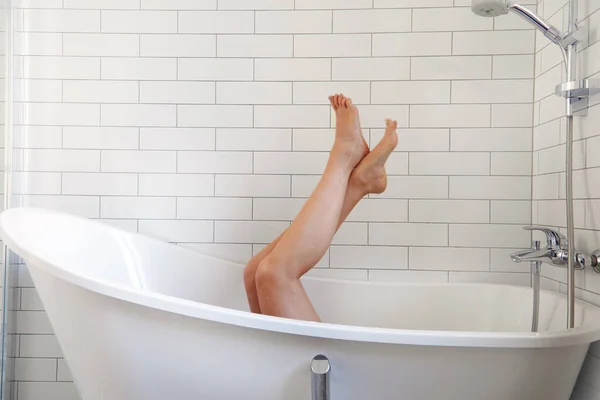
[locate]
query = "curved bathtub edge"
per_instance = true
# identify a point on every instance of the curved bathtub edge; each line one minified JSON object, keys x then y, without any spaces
{"x":578,"y":336}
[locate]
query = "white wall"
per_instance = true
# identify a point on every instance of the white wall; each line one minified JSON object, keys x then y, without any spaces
{"x":549,"y":162}
{"x":206,"y":123}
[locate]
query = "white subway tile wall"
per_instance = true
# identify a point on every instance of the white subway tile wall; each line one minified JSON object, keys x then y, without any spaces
{"x":549,"y":163}
{"x":205,"y":123}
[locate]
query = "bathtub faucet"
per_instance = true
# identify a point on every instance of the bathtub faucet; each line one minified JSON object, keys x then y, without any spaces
{"x":555,"y":252}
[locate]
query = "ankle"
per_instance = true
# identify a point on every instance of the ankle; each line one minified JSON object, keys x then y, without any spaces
{"x":370,"y":180}
{"x":357,"y":185}
{"x":342,"y":158}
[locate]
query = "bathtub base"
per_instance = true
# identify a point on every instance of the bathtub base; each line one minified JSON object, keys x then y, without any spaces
{"x":124,"y":351}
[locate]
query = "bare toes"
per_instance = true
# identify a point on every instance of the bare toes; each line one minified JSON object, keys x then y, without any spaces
{"x":331,"y":101}
{"x":391,"y":124}
{"x":342,"y":100}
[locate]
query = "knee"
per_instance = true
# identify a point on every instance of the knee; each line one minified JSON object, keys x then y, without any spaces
{"x":269,"y":274}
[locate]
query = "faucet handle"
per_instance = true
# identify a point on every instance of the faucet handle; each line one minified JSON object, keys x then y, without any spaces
{"x":554,"y":238}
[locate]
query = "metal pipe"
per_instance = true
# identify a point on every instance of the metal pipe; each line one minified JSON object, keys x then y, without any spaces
{"x":573,"y":15}
{"x":536,"y":267}
{"x":571,"y":71}
{"x":570,"y":227}
{"x":320,"y":368}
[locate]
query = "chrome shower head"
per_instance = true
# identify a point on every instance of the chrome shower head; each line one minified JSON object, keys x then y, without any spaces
{"x":496,"y":8}
{"x":489,"y":8}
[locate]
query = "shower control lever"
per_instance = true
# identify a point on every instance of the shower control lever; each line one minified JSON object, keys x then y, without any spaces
{"x":554,"y":238}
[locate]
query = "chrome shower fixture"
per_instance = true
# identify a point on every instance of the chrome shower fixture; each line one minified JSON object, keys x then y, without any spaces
{"x":576,"y":94}
{"x":575,"y":91}
{"x":496,"y":8}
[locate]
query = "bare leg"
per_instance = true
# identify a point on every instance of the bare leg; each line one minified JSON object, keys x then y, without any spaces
{"x":250,"y":274}
{"x":353,"y":194}
{"x":279,"y":290}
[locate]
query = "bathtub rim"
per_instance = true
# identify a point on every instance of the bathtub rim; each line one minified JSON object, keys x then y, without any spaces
{"x":582,"y":335}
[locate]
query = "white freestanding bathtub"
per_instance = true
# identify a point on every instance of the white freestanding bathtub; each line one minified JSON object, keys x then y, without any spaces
{"x":139,"y":319}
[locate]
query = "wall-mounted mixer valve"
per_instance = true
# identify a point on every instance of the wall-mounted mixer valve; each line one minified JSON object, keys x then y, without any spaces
{"x":556,"y":251}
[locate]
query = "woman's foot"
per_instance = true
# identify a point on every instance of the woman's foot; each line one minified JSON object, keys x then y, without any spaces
{"x":370,"y":174}
{"x":349,"y":142}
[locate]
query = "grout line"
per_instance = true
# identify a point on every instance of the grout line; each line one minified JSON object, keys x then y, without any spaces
{"x":332,"y":22}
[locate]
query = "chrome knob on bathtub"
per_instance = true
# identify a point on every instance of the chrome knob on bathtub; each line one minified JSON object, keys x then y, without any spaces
{"x":595,"y":261}
{"x":320,"y":369}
